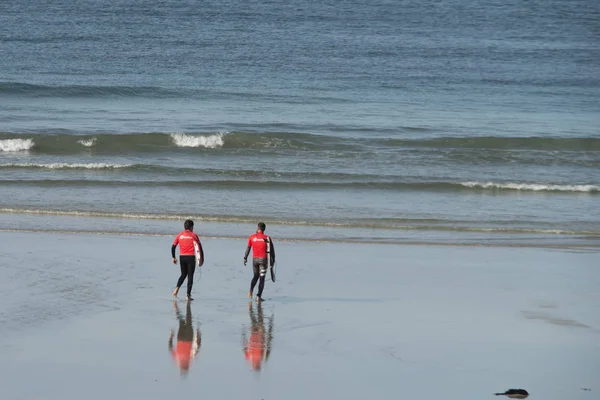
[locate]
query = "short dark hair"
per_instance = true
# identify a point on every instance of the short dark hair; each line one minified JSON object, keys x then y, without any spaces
{"x":262,"y":226}
{"x":188,"y":224}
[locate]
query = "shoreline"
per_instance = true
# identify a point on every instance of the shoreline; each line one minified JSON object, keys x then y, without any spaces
{"x":306,"y":233}
{"x":360,"y":241}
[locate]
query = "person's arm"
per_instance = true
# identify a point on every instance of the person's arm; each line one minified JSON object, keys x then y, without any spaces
{"x":247,"y":250}
{"x":175,"y":243}
{"x":246,"y":255}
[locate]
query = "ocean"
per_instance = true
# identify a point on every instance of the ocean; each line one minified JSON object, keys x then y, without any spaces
{"x":457,"y":122}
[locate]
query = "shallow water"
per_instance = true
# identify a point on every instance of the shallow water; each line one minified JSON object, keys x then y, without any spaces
{"x":437,"y":117}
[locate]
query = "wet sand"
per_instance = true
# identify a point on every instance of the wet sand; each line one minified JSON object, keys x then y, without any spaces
{"x":90,"y":316}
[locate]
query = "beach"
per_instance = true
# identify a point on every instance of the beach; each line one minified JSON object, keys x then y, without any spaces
{"x":89,"y":315}
{"x":428,"y":171}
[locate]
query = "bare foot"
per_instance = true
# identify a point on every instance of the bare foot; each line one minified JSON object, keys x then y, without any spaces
{"x":175,"y":292}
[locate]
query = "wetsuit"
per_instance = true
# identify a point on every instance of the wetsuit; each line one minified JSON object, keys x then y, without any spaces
{"x":258,"y":243}
{"x":187,"y":257}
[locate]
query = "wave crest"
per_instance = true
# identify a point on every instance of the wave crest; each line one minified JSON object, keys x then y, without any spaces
{"x":13,"y":145}
{"x":88,"y":142}
{"x":209,"y":142}
{"x":67,"y":165}
{"x":536,"y":187}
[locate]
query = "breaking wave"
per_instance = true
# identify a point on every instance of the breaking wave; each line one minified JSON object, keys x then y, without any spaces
{"x":13,"y":145}
{"x":536,"y":187}
{"x":209,"y":142}
{"x":87,"y":142}
{"x":67,"y":165}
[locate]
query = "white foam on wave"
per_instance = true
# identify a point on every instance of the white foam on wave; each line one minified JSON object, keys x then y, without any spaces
{"x":87,"y":143}
{"x":67,"y":165}
{"x":209,"y":142}
{"x":11,"y":145}
{"x":536,"y":187}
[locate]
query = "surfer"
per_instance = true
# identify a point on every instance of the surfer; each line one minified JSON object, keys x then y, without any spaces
{"x":188,"y":341}
{"x":262,"y":246}
{"x":187,"y":256}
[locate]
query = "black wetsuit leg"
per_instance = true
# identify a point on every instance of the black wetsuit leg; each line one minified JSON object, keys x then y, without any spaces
{"x":255,"y":277}
{"x":259,"y":266}
{"x":188,"y":266}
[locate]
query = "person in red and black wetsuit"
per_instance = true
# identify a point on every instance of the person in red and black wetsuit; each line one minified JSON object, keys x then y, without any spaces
{"x":187,"y":257}
{"x":188,"y":341}
{"x":258,"y":242}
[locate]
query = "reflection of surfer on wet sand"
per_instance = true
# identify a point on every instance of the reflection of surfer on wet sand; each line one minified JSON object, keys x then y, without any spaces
{"x":257,"y":347}
{"x":188,"y":341}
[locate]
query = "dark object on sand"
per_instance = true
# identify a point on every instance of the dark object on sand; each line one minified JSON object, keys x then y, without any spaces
{"x":514,"y":393}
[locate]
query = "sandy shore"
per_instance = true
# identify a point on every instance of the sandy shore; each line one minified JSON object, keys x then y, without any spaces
{"x":89,"y":316}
